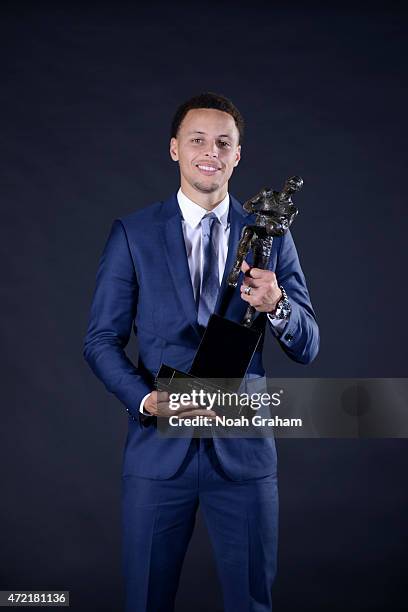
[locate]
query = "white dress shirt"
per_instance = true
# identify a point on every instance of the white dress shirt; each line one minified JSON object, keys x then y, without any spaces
{"x":192,"y":214}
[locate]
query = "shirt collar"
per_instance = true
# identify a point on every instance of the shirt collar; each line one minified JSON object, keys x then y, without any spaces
{"x":193,"y":213}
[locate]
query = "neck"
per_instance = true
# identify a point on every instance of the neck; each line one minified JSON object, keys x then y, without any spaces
{"x":206,"y":200}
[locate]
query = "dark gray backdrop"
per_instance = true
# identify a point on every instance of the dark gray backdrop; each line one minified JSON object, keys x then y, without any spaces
{"x":87,"y":97}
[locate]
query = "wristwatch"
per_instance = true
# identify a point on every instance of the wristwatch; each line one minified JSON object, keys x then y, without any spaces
{"x":283,"y":307}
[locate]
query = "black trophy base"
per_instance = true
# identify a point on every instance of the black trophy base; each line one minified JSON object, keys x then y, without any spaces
{"x":222,"y":359}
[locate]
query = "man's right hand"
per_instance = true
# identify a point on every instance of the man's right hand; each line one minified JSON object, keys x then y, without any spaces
{"x":157,"y":403}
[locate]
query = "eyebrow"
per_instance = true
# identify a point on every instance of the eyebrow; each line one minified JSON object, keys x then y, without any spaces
{"x":219,"y":136}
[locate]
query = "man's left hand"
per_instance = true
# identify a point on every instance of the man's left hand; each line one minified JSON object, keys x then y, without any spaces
{"x":265,"y":292}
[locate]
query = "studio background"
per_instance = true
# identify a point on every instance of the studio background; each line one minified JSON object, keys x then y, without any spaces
{"x":87,"y":96}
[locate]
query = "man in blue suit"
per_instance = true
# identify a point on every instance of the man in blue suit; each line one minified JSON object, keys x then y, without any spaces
{"x":154,"y":275}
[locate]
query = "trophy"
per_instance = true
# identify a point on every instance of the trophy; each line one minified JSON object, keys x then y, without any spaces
{"x":274,"y":212}
{"x":227,"y":347}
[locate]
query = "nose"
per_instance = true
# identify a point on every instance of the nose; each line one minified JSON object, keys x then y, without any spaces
{"x":212,"y":149}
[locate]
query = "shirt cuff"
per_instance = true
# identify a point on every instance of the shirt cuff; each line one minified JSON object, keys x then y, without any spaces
{"x":278,"y":325}
{"x":141,"y":409}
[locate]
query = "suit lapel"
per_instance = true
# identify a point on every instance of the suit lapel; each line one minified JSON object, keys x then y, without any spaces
{"x":177,"y":260}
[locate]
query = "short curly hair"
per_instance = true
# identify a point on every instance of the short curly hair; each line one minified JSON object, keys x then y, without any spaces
{"x":208,"y":99}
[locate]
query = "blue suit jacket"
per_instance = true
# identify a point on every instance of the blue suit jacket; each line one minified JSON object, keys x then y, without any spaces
{"x":143,"y":281}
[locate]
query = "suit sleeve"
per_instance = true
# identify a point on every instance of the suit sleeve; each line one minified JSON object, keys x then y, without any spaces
{"x":300,"y":338}
{"x":113,"y":310}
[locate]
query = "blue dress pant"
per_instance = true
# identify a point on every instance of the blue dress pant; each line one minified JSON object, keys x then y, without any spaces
{"x":158,"y":520}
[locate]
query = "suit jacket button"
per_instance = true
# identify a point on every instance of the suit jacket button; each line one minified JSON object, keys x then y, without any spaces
{"x":289,"y":337}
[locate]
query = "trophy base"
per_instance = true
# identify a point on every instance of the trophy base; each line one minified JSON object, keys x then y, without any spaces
{"x":222,"y":359}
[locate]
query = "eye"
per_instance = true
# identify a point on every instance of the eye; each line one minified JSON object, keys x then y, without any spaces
{"x":196,"y":140}
{"x":224,"y":143}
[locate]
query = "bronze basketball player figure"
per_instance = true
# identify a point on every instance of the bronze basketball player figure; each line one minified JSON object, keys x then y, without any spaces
{"x":275,"y":213}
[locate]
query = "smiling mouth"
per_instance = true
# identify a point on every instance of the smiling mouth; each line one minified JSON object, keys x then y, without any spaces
{"x":208,"y":170}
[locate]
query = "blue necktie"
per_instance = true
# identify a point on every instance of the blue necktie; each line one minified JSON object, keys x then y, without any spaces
{"x":210,"y":283}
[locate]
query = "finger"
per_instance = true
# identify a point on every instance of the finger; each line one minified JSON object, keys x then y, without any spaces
{"x":192,"y":413}
{"x":252,"y":297}
{"x":247,"y":298}
{"x":251,"y":300}
{"x":162,"y":404}
{"x":258,"y":273}
{"x":161,"y":396}
{"x":253,"y":294}
{"x":189,"y":406}
{"x":245,"y":267}
{"x":249,"y":282}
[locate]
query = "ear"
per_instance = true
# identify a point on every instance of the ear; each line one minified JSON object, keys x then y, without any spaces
{"x":237,"y":155}
{"x":174,"y":149}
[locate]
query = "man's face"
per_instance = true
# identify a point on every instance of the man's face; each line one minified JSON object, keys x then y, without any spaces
{"x":207,"y":150}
